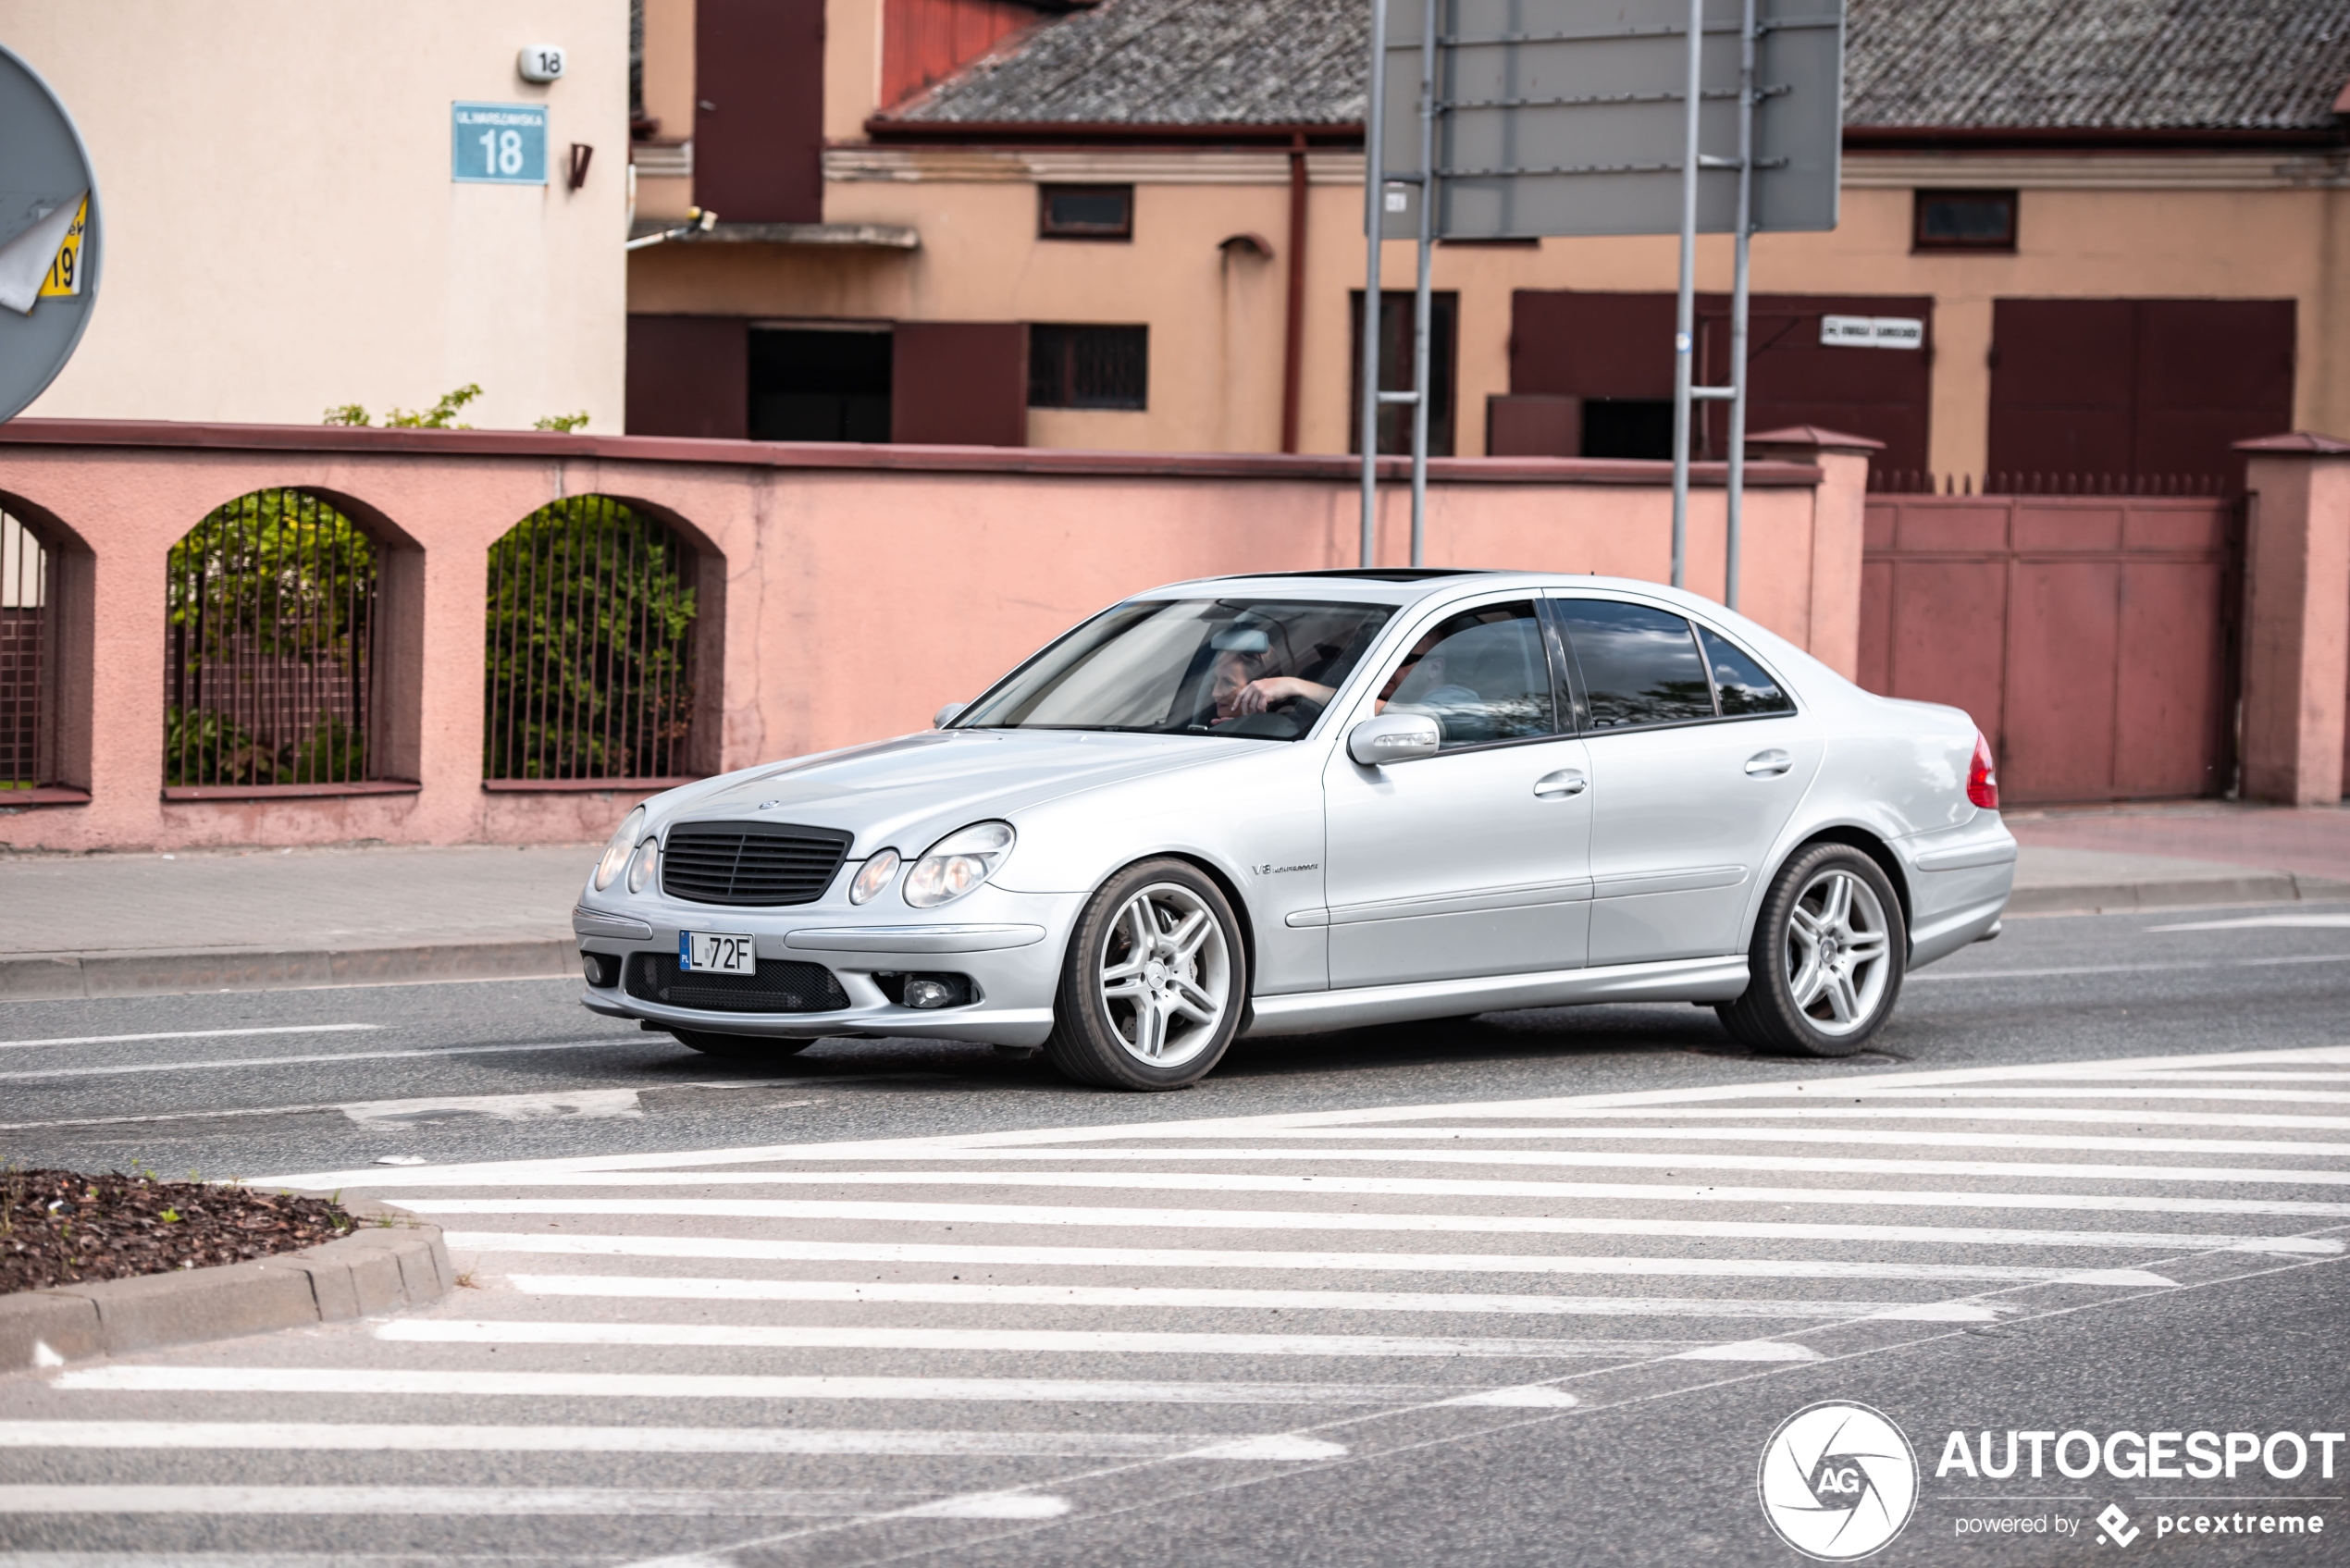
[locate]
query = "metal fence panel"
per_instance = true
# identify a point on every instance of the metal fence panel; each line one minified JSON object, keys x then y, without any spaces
{"x":270,"y":624}
{"x":589,"y":647}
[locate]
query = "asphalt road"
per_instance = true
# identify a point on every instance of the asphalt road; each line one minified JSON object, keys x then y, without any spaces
{"x":1534,"y":1288}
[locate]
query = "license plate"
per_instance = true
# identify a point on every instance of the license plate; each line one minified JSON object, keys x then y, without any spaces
{"x":715,"y":952}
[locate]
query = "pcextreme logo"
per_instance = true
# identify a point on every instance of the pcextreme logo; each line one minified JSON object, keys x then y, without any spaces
{"x":1837,"y":1481}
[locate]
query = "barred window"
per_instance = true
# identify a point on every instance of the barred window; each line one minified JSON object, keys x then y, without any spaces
{"x":270,"y":622}
{"x":1088,"y":366}
{"x":590,"y":642}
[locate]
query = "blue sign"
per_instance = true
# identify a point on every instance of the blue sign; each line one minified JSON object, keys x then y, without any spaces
{"x":497,"y":143}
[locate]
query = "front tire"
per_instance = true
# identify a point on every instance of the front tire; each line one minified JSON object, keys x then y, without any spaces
{"x":1153,"y":983}
{"x":740,"y":1047}
{"x":1828,"y":954}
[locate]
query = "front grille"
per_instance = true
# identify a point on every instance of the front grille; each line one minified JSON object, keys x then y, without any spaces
{"x":780,"y":987}
{"x":750,"y":863}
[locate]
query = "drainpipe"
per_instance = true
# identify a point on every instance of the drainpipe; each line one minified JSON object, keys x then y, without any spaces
{"x":1293,"y":339}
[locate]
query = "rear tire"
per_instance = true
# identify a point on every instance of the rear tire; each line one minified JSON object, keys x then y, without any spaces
{"x":740,"y":1047}
{"x":1155,"y":981}
{"x":1827,"y":957}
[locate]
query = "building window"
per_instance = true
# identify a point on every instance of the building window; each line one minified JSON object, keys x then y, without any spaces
{"x":1088,"y":366}
{"x":819,"y":383}
{"x":1085,"y":212}
{"x":1395,"y":372}
{"x":1965,"y":220}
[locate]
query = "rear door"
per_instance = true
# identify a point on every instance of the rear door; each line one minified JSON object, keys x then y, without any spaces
{"x":1697,"y":760}
{"x":1475,"y":862}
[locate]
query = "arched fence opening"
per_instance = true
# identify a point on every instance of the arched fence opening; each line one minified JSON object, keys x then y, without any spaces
{"x":271,"y":629}
{"x":590,"y":635}
{"x":28,"y":659}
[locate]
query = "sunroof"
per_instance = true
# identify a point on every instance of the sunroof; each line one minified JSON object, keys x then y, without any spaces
{"x":1381,"y":573}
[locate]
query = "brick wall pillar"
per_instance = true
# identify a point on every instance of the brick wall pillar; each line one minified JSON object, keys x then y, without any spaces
{"x":1838,"y":507}
{"x":2297,"y":632}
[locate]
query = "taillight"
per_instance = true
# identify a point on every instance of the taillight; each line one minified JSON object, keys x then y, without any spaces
{"x":1983,"y":777}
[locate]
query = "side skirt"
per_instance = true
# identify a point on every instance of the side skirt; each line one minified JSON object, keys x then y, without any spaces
{"x":1680,"y":980}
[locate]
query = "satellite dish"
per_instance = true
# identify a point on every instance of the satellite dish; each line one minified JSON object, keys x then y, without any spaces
{"x":49,"y":235}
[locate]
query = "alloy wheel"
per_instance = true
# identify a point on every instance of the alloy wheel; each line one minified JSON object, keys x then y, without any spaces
{"x":1838,"y":951}
{"x":1165,"y":975}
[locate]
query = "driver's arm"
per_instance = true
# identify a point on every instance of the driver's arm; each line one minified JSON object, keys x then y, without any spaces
{"x":1259,"y":695}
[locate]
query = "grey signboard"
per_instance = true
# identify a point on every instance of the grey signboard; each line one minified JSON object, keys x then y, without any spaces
{"x":1567,"y":117}
{"x":49,"y":236}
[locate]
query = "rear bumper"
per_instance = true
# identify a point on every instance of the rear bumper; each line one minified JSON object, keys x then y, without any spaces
{"x":1960,"y":882}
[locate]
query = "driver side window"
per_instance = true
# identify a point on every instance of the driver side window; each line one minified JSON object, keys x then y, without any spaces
{"x":1481,"y":675}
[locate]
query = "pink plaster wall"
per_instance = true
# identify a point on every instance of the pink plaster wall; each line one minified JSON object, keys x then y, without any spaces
{"x":863,"y":586}
{"x":2296,"y":655}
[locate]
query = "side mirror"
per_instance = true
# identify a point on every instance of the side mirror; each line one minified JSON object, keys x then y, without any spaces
{"x":946,"y":715}
{"x":1393,"y":737}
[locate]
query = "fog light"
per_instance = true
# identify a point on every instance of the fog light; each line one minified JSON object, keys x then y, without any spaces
{"x":928,"y":993}
{"x":602,"y":969}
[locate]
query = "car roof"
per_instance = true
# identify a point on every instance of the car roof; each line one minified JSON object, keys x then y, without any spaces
{"x":1408,"y":585}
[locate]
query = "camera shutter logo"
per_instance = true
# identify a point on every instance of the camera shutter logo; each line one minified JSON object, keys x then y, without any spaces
{"x":1837,"y":1481}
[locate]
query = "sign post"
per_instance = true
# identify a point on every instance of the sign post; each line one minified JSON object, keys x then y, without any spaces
{"x":1536,"y":118}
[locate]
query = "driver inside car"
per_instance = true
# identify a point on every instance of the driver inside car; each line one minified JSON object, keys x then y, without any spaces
{"x":1258,"y":693}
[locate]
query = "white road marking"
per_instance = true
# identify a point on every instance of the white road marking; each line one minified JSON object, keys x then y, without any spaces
{"x":1751,"y":1350}
{"x":630,"y":1040}
{"x":1026,"y":1341}
{"x":1537,"y":1396}
{"x":643,"y":1287}
{"x":1308,"y":1218}
{"x":363,"y":1111}
{"x":733,"y":1248}
{"x":1980,"y":975}
{"x":673,"y":1386}
{"x":2115,"y":1092}
{"x":517,"y":1501}
{"x":1610,"y":1159}
{"x":337,"y":1436}
{"x":188,"y":1034}
{"x":2247,"y":922}
{"x":586,"y":1104}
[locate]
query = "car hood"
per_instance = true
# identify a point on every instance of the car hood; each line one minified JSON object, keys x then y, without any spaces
{"x":907,"y":793}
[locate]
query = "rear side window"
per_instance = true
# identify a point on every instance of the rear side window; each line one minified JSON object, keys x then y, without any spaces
{"x":1743,"y":686}
{"x":1639,"y":665}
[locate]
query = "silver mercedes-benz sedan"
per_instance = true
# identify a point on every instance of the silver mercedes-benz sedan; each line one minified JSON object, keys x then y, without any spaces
{"x":1252,"y":806}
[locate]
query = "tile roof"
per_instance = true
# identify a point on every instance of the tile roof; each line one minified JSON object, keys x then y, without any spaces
{"x":2109,"y":65}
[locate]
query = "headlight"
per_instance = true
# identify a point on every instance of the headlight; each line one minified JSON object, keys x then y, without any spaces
{"x":957,"y":863}
{"x":646,"y":866}
{"x":632,"y":827}
{"x":870,"y":882}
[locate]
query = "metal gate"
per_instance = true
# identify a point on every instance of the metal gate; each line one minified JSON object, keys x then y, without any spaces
{"x":2093,"y":637}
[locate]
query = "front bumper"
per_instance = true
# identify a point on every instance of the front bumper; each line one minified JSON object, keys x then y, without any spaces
{"x":1009,"y":943}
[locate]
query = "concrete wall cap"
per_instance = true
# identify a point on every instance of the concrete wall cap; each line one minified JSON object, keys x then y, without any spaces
{"x":1814,"y":435}
{"x":2295,"y":443}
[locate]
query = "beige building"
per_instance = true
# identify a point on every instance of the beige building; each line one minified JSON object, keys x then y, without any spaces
{"x":1137,"y":225}
{"x":284,"y":228}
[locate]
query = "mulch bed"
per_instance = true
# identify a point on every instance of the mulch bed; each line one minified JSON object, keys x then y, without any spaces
{"x":58,"y":1228}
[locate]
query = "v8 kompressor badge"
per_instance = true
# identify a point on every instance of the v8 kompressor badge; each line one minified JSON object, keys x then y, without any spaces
{"x":1837,"y":1481}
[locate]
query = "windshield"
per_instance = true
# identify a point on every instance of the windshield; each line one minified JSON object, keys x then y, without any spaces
{"x":1263,"y":669}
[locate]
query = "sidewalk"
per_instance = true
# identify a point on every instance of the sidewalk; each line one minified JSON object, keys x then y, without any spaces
{"x":130,"y":925}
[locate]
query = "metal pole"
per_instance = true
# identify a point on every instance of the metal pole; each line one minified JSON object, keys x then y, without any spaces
{"x":1685,"y":307}
{"x":1421,"y":304}
{"x":1738,"y":306}
{"x":1374,"y":200}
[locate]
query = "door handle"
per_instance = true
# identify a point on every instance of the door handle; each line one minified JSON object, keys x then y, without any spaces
{"x":1768,"y":764}
{"x":1566,"y":781}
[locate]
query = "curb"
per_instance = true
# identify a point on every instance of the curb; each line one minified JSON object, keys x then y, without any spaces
{"x":72,"y":977}
{"x":366,"y":1274}
{"x":2094,"y":899}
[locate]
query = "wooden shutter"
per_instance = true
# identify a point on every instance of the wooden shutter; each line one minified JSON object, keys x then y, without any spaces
{"x":759,"y":113}
{"x":959,"y":383}
{"x":689,"y":376}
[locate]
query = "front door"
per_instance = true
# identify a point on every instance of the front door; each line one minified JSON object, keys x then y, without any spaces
{"x":1697,"y":760}
{"x":1476,"y":860}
